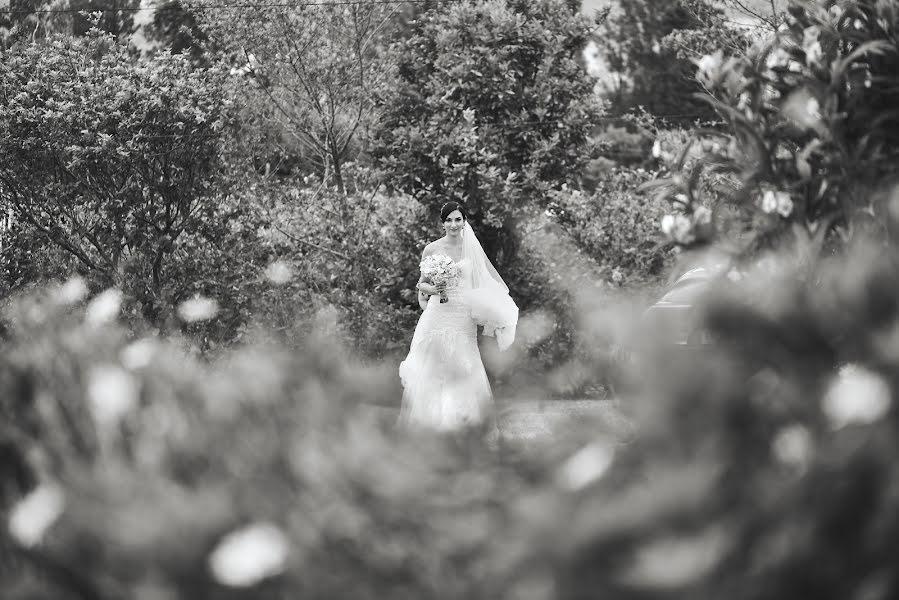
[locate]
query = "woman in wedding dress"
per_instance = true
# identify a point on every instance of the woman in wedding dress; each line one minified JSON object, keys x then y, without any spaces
{"x":444,"y":380}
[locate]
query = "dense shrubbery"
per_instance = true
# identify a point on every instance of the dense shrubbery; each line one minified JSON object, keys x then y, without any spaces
{"x":810,"y":143}
{"x":153,"y":461}
{"x":616,"y":226}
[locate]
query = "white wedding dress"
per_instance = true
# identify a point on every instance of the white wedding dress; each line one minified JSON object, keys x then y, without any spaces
{"x":444,"y":380}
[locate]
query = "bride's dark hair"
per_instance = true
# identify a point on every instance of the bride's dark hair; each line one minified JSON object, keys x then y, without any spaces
{"x":450,"y":207}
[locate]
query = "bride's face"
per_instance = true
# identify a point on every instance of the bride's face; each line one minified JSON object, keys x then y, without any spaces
{"x":453,"y":224}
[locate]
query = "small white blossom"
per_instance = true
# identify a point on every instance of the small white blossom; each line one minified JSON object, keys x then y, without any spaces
{"x":678,"y":228}
{"x":72,"y":291}
{"x":139,"y":354}
{"x":702,"y":215}
{"x":856,"y":395}
{"x":104,"y":307}
{"x":111,"y":393}
{"x":656,"y":149}
{"x":793,"y":446}
{"x":585,"y":466}
{"x":197,"y":309}
{"x":815,"y":54}
{"x":247,"y":556}
{"x":769,"y":201}
{"x":784,"y":204}
{"x":279,"y":272}
{"x":35,"y":514}
{"x":778,"y":58}
{"x":734,"y":275}
{"x":813,"y":108}
{"x":709,"y":63}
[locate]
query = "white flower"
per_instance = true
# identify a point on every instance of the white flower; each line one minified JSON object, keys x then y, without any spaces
{"x":198,"y":308}
{"x":813,"y":108}
{"x":779,"y":58}
{"x":678,"y":228}
{"x":138,"y":355}
{"x":104,"y":307}
{"x":72,"y":291}
{"x":702,"y":215}
{"x":708,"y":64}
{"x":279,"y":272}
{"x":656,"y":149}
{"x":769,"y":202}
{"x":111,"y":393}
{"x":793,"y":446}
{"x":814,"y":53}
{"x":668,"y":225}
{"x":656,"y":48}
{"x":585,"y":466}
{"x":784,"y":204}
{"x":617,"y":275}
{"x":249,"y":555}
{"x":856,"y":395}
{"x":35,"y":514}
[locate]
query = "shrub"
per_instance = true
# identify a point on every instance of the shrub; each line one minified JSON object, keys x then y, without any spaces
{"x":810,"y":126}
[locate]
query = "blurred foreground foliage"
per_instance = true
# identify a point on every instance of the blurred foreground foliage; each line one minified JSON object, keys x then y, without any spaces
{"x":270,"y":474}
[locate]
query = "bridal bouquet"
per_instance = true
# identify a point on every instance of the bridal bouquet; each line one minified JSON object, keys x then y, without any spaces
{"x":439,"y":268}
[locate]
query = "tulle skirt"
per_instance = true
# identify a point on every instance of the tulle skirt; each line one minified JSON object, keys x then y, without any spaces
{"x":445,"y":385}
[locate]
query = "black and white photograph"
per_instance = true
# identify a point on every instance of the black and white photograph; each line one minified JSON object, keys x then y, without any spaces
{"x":449,"y":299}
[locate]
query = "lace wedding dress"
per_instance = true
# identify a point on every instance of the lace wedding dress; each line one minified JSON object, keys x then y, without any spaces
{"x":444,"y":380}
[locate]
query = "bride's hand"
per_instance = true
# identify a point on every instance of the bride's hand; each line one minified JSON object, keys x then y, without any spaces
{"x":427,"y":288}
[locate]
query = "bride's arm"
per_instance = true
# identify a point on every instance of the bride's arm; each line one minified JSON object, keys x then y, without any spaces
{"x":425,"y":289}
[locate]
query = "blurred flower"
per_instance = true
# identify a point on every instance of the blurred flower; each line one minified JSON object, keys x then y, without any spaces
{"x":793,"y":446}
{"x":72,"y":291}
{"x":656,"y":149}
{"x":617,"y":275}
{"x":708,"y":67}
{"x":702,"y":215}
{"x":811,"y":45}
{"x":779,"y":202}
{"x":856,"y":396}
{"x":673,"y":562}
{"x":784,"y":204}
{"x":36,"y":513}
{"x":104,"y":307}
{"x":138,"y":355}
{"x":585,"y":466}
{"x":803,"y":108}
{"x":778,"y":58}
{"x":678,"y":228}
{"x":111,"y":393}
{"x":198,"y":308}
{"x":734,"y":275}
{"x":249,"y":555}
{"x":279,"y":272}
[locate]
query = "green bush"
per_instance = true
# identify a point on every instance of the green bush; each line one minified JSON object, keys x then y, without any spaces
{"x":616,"y":226}
{"x":811,"y":134}
{"x":754,"y":464}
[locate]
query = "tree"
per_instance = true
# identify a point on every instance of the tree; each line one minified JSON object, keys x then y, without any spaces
{"x":109,"y":159}
{"x":651,"y":73}
{"x":311,"y":70}
{"x":489,"y":106}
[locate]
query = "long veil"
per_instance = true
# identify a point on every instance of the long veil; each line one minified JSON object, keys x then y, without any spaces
{"x":489,"y":300}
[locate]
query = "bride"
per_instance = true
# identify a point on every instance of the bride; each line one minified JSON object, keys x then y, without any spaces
{"x":445,"y":386}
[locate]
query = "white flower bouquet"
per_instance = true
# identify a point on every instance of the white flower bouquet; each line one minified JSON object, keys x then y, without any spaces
{"x":440,"y":269}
